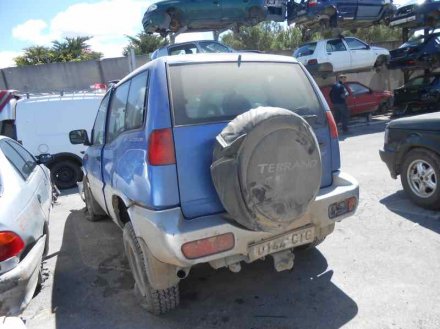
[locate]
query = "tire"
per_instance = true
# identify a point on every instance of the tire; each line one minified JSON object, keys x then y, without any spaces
{"x":419,"y":175}
{"x":380,"y":63}
{"x":258,"y":192}
{"x":154,"y":301}
{"x":94,"y":210}
{"x":65,"y":174}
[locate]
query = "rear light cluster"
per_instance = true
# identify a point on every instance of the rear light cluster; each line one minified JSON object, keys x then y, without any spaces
{"x":343,"y":207}
{"x":161,"y":148}
{"x":5,"y":97}
{"x":209,"y":246}
{"x":10,"y":245}
{"x":312,"y":3}
{"x":332,"y":125}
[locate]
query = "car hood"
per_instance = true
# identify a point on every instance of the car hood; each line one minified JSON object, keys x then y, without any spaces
{"x":430,"y":121}
{"x":380,"y":50}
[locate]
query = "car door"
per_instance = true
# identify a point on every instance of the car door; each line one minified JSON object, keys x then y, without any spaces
{"x":347,"y":9}
{"x":363,"y":100}
{"x":370,"y":9}
{"x":203,"y":11}
{"x":31,"y":210}
{"x":338,"y":55}
{"x":93,"y":157}
{"x":361,"y":54}
{"x":237,"y":9}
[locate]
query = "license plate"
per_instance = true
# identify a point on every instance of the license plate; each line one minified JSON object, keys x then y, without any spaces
{"x":282,"y":242}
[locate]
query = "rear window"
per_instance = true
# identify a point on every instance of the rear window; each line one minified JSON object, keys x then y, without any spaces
{"x":215,"y":92}
{"x":305,"y":50}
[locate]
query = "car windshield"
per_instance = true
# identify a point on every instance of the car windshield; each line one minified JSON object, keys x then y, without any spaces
{"x":215,"y":92}
{"x":305,"y":50}
{"x":419,"y":40}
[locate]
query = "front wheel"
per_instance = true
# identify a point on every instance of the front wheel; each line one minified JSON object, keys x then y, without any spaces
{"x":156,"y":301}
{"x":419,"y":175}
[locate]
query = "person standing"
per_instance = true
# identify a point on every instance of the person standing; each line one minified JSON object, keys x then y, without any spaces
{"x":338,"y":95}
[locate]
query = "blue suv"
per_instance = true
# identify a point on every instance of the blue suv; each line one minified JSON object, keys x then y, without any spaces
{"x":214,"y":158}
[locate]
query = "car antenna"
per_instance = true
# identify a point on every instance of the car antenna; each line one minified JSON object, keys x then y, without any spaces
{"x":239,"y":60}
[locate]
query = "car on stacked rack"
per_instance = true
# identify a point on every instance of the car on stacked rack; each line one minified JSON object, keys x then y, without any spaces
{"x":314,"y":14}
{"x":418,"y":52}
{"x":417,"y":14}
{"x":340,"y":54}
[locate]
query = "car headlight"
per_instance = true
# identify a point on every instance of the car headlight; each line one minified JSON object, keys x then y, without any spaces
{"x":151,"y":8}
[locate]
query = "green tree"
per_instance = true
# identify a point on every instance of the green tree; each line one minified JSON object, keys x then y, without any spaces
{"x":35,"y":55}
{"x":74,"y":50}
{"x":68,"y":50}
{"x":265,"y":36}
{"x":144,"y":43}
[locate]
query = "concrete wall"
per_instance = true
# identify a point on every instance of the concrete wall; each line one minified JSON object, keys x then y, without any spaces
{"x":80,"y":75}
{"x":65,"y":76}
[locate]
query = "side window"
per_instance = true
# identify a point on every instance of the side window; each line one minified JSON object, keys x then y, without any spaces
{"x":21,"y":159}
{"x":135,"y":113}
{"x":415,"y":82}
{"x":335,"y":45}
{"x":183,"y":49}
{"x":213,"y":47}
{"x":99,"y":126}
{"x":355,"y":44}
{"x":116,"y":121}
{"x":358,"y":89}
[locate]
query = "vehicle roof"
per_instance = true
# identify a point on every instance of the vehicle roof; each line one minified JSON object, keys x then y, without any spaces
{"x":187,"y":42}
{"x":65,"y":97}
{"x":210,"y":58}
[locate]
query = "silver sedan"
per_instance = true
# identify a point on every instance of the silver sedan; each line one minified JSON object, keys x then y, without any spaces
{"x":25,"y":206}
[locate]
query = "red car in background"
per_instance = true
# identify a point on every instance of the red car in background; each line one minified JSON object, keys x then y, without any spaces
{"x":361,"y":99}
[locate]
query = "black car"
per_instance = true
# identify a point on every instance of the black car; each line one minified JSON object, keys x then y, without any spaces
{"x":416,"y":14}
{"x":419,"y":52}
{"x":412,"y":150}
{"x":421,"y":93}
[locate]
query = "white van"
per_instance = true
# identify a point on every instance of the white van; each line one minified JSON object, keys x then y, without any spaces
{"x":42,"y":124}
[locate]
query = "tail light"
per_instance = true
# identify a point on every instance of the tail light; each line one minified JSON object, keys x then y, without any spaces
{"x":5,"y":97}
{"x":312,"y":3}
{"x":209,"y":246}
{"x":411,"y":62}
{"x":10,"y":245}
{"x":312,"y":62}
{"x":161,"y":148}
{"x":332,"y":125}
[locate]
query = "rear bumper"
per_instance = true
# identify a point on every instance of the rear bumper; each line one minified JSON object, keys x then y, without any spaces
{"x":17,"y":286}
{"x":390,"y":160}
{"x":166,"y":231}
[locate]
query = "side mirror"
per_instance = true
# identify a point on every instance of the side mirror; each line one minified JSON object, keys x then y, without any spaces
{"x":79,"y":137}
{"x":44,"y":158}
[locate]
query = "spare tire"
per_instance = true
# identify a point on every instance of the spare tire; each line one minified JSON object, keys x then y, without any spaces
{"x":266,"y":168}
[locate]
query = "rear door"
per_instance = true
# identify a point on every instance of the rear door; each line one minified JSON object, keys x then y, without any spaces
{"x":93,"y":158}
{"x":338,"y":55}
{"x":202,"y":109}
{"x":370,"y":9}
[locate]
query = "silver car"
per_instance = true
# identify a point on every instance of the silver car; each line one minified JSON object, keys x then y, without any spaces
{"x":25,"y":206}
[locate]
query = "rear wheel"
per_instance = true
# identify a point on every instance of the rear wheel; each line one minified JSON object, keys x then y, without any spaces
{"x":65,"y":174}
{"x":153,"y":300}
{"x":256,"y":15}
{"x":419,"y":174}
{"x":175,"y":23}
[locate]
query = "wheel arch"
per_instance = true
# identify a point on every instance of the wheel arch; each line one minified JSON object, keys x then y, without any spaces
{"x":415,"y":142}
{"x":64,"y":156}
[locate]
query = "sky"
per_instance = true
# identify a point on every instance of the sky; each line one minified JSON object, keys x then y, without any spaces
{"x":25,"y":23}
